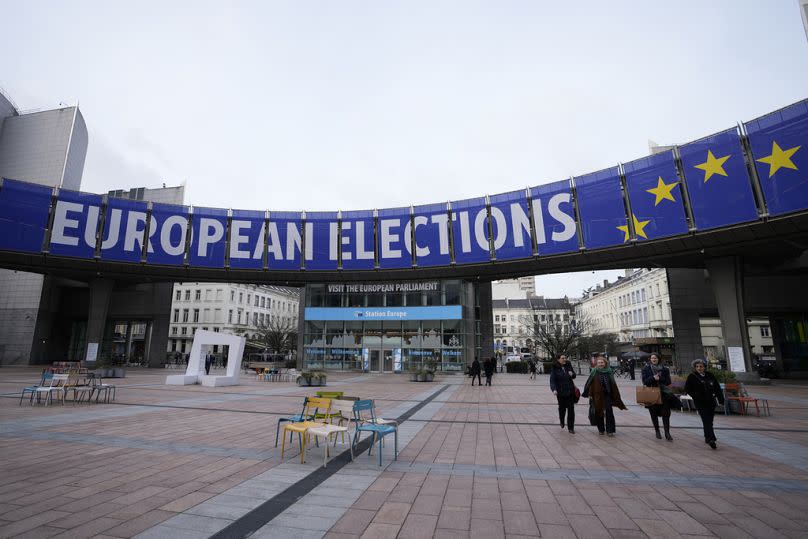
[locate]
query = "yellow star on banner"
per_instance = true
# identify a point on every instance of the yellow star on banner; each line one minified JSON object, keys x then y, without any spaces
{"x":639,"y":228}
{"x":713,"y":165}
{"x":779,"y":159}
{"x":662,"y":191}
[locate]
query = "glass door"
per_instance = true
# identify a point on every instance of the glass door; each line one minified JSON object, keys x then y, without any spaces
{"x":388,"y":360}
{"x":374,"y":360}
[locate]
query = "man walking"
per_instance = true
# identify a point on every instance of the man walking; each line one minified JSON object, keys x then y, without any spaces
{"x":632,"y":364}
{"x":475,"y":371}
{"x":208,"y":361}
{"x":488,"y":367}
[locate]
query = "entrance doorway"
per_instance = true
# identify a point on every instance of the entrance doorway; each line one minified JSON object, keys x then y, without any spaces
{"x":388,"y":360}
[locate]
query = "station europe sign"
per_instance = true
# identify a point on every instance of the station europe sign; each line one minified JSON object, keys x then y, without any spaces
{"x":443,"y":312}
{"x":698,"y":186}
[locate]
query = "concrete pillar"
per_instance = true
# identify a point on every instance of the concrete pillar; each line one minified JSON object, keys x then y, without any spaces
{"x":128,"y":346}
{"x":486,"y":313}
{"x":726,"y":280}
{"x":100,"y":292}
{"x":687,"y":342}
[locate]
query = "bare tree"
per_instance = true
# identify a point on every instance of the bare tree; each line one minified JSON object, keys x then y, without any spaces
{"x":278,"y":335}
{"x":587,"y":345}
{"x":552,"y":338}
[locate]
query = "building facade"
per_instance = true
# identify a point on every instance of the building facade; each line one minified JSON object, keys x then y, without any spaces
{"x":46,"y":147}
{"x":394,"y":326}
{"x":514,"y":320}
{"x":241,"y":309}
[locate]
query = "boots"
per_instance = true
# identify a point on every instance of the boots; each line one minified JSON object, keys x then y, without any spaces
{"x":666,"y":422}
{"x":655,"y":421}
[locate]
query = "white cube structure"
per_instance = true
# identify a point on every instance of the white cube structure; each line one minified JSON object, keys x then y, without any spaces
{"x":195,"y":372}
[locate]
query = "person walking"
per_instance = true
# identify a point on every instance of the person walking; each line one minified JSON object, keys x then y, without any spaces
{"x":706,"y":392}
{"x":531,"y":365}
{"x":475,"y":371}
{"x":656,"y":375}
{"x":562,"y":386}
{"x":632,"y":364}
{"x":208,"y":361}
{"x":488,"y":367}
{"x":603,"y":394}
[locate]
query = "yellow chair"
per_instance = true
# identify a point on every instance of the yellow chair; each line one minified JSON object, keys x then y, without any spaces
{"x":328,"y":417}
{"x":313,"y":405}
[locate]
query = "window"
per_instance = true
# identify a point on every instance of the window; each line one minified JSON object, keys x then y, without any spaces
{"x":273,"y":303}
{"x":230,"y":316}
{"x":185,"y":315}
{"x":179,"y":295}
{"x":256,"y":301}
{"x":174,"y":330}
{"x":206,"y":316}
{"x":184,"y":331}
{"x":643,"y":294}
{"x":241,"y":297}
{"x":238,"y":318}
{"x":248,"y":299}
{"x":496,"y":318}
{"x":261,"y":319}
{"x":219,"y":293}
{"x":215,"y":330}
{"x":263,"y":303}
{"x":176,"y":315}
{"x":232,"y":295}
{"x":208,"y":294}
{"x":765,"y":331}
{"x":196,"y":315}
{"x":188,"y":295}
{"x":255,"y":319}
{"x":198,"y":295}
{"x":645,"y":315}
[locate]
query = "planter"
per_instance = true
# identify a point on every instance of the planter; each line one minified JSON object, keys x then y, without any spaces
{"x":421,"y":377}
{"x":430,"y":376}
{"x":118,"y":372}
{"x":413,"y":377}
{"x":303,"y":382}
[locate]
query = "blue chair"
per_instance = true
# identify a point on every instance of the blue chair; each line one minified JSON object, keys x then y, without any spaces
{"x":365,"y":418}
{"x":298,"y":418}
{"x":46,"y":376}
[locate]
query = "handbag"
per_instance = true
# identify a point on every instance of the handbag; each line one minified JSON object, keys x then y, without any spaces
{"x":576,"y":393}
{"x":593,"y":419}
{"x":648,"y":396}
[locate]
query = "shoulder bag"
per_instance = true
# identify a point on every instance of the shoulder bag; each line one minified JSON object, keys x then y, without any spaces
{"x":648,"y":396}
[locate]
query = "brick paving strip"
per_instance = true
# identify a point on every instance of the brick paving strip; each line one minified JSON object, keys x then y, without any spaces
{"x":269,"y":500}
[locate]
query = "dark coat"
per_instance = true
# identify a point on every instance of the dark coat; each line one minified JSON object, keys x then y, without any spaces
{"x":648,"y":376}
{"x":488,"y":367}
{"x":705,"y":390}
{"x":475,"y":367}
{"x":594,"y":392}
{"x":561,"y":379}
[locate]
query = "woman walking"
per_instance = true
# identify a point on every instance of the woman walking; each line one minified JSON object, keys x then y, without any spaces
{"x":656,"y":375}
{"x":706,"y":393}
{"x":562,"y":386}
{"x":603,"y":394}
{"x":531,"y":365}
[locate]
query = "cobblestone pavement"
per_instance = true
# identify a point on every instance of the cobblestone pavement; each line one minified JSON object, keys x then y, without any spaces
{"x":170,"y":461}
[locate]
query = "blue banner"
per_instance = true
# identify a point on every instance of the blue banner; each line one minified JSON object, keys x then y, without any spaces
{"x":75,"y":224}
{"x":655,"y":197}
{"x":247,"y":239}
{"x":322,"y":250}
{"x":431,"y":223}
{"x":168,"y":230}
{"x":470,"y":231}
{"x":510,"y":222}
{"x":779,"y":143}
{"x":717,"y":181}
{"x":603,"y":213}
{"x":357,"y":240}
{"x":447,"y":312}
{"x":284,"y":240}
{"x":395,"y":237}
{"x":209,"y":228}
{"x":554,"y":217}
{"x":124,"y":230}
{"x":24,"y":211}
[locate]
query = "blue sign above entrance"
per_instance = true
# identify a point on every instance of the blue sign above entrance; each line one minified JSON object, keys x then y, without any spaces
{"x":447,"y":312}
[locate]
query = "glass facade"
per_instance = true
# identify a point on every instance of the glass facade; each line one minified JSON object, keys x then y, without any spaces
{"x":357,"y":342}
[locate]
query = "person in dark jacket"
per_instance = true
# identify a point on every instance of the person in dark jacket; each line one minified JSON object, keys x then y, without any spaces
{"x":656,"y":375}
{"x":208,"y":362}
{"x":488,"y":368}
{"x":603,"y":394}
{"x":706,"y":392}
{"x":632,"y":364}
{"x":562,"y":386}
{"x":475,"y":371}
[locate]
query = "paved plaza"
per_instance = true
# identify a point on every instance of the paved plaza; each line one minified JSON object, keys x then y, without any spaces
{"x":170,"y":461}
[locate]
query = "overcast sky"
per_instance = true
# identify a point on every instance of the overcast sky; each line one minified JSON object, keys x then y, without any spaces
{"x":358,"y":105}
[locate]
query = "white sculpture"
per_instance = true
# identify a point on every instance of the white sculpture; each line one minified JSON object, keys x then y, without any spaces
{"x":195,"y":372}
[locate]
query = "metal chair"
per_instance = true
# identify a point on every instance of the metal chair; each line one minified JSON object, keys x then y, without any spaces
{"x":361,"y":410}
{"x":46,"y":376}
{"x":313,"y":404}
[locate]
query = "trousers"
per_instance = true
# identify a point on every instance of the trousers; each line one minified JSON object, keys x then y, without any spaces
{"x":606,"y":423}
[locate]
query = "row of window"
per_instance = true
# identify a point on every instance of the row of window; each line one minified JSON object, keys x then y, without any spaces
{"x":543,"y":317}
{"x":258,"y":319}
{"x":447,"y":293}
{"x":264,"y":302}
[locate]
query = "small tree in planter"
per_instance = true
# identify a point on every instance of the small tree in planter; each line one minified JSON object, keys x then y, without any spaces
{"x":319,"y":378}
{"x":429,"y":369}
{"x":413,"y":372}
{"x":304,"y":379}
